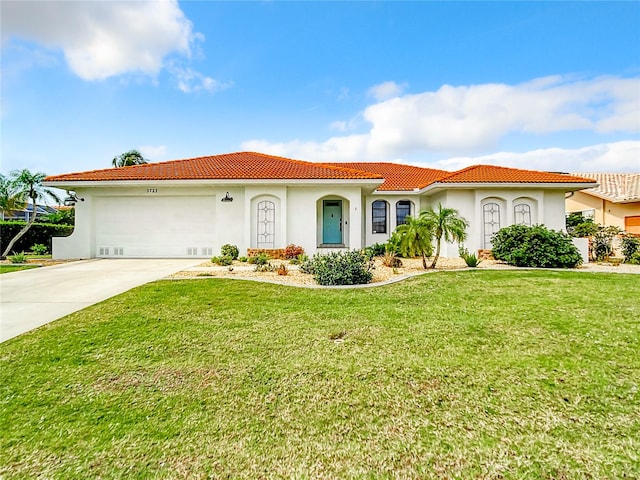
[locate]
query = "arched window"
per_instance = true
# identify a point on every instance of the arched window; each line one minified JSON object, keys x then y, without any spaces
{"x":522,"y":214}
{"x":266,"y":231}
{"x":491,"y":222}
{"x":379,"y":216}
{"x":403,"y":210}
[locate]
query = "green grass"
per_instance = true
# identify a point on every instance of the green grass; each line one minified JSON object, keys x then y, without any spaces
{"x":6,"y":268}
{"x":475,"y":374}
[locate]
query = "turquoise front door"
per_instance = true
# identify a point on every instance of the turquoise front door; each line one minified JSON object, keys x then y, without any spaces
{"x":332,"y":222}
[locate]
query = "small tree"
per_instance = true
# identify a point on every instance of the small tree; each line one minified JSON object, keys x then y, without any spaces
{"x":126,"y":159}
{"x":11,"y":197}
{"x":445,"y":223}
{"x":414,"y":238}
{"x":29,"y":185}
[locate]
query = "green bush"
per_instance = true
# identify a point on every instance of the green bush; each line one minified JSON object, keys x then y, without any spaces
{"x":469,"y":258}
{"x":242,"y":259}
{"x":375,"y":250}
{"x":535,"y":246}
{"x":631,"y":249}
{"x":586,"y":229}
{"x":602,"y":244}
{"x":39,"y":249}
{"x":18,"y":258}
{"x":299,"y":260}
{"x":261,"y":259}
{"x":229,"y":250}
{"x":39,"y":233}
{"x":340,"y":268}
{"x":223,"y":260}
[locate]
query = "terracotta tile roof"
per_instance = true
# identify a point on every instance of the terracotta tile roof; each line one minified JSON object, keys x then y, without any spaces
{"x":258,"y":166}
{"x":398,"y":177}
{"x":493,"y":174}
{"x":616,"y":187}
{"x":231,"y":166}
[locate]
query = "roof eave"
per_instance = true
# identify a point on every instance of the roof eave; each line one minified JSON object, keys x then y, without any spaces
{"x":566,"y":187}
{"x":72,"y":184}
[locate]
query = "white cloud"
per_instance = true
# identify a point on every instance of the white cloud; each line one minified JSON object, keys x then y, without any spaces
{"x":102,"y":39}
{"x":605,"y":157}
{"x":154,"y":153}
{"x":189,"y":80}
{"x":466,"y":120}
{"x":386,"y":90}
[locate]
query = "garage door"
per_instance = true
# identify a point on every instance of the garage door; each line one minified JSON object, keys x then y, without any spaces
{"x":154,"y":226}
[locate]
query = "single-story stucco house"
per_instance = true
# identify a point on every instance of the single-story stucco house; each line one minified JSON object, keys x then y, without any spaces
{"x":190,"y":208}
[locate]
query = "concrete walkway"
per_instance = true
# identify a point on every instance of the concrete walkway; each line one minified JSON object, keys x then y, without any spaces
{"x":31,"y":298}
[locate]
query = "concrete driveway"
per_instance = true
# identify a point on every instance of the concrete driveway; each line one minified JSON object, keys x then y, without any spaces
{"x":31,"y":298}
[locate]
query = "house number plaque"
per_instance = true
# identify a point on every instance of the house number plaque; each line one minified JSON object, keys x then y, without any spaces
{"x":152,"y":190}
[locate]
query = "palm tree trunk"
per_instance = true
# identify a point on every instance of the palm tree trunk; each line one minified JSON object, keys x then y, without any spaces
{"x":435,"y":259}
{"x":24,"y":230}
{"x":424,"y":260}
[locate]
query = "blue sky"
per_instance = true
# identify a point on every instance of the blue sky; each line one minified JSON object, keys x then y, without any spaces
{"x":541,"y":85}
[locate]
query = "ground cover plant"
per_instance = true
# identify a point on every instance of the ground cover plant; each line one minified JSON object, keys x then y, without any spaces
{"x":471,"y":374}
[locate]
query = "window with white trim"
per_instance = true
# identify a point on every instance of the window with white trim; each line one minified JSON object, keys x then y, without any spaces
{"x":491,"y":222}
{"x":266,"y":228}
{"x":403,"y":210}
{"x":522,"y":214}
{"x":379,"y":216}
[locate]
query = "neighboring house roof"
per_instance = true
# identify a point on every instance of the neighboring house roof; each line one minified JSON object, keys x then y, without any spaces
{"x":231,"y":166}
{"x":615,"y":187}
{"x":258,"y":166}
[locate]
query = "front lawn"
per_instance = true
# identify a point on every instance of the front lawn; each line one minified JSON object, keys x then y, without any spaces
{"x":473,"y":374}
{"x":7,"y":267}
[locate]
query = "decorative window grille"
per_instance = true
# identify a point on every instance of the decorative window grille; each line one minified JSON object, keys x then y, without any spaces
{"x":266,"y":230}
{"x":403,"y":210}
{"x":491,"y":218}
{"x":522,"y":214}
{"x":379,"y":216}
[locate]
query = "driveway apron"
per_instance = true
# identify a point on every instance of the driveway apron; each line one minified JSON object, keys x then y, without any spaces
{"x":31,"y":298}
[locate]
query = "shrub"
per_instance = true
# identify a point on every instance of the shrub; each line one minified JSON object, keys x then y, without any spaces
{"x":601,"y":246}
{"x":223,"y":260}
{"x":261,"y":259}
{"x":243,"y":259}
{"x":630,"y":248}
{"x":535,"y":246}
{"x":264,"y":267}
{"x":586,"y":229}
{"x":39,"y":249}
{"x":375,"y":250}
{"x":342,"y":268}
{"x":38,"y":233}
{"x":229,"y":250}
{"x":390,"y":259}
{"x":293,"y":251}
{"x":470,"y":259}
{"x":282,"y":269}
{"x":18,"y":258}
{"x":299,"y":260}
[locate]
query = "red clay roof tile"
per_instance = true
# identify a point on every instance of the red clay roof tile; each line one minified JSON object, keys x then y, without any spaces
{"x":493,"y":174}
{"x":231,"y":166}
{"x":258,"y":166}
{"x":398,"y":177}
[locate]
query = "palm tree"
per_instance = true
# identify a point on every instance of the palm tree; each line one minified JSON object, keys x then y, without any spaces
{"x":29,"y":185}
{"x":126,"y":159}
{"x":11,"y":198}
{"x":445,"y":223}
{"x":414,"y":238}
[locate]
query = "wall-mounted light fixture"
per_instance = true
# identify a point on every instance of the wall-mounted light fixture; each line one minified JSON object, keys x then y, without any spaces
{"x":72,"y":199}
{"x":227,"y":198}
